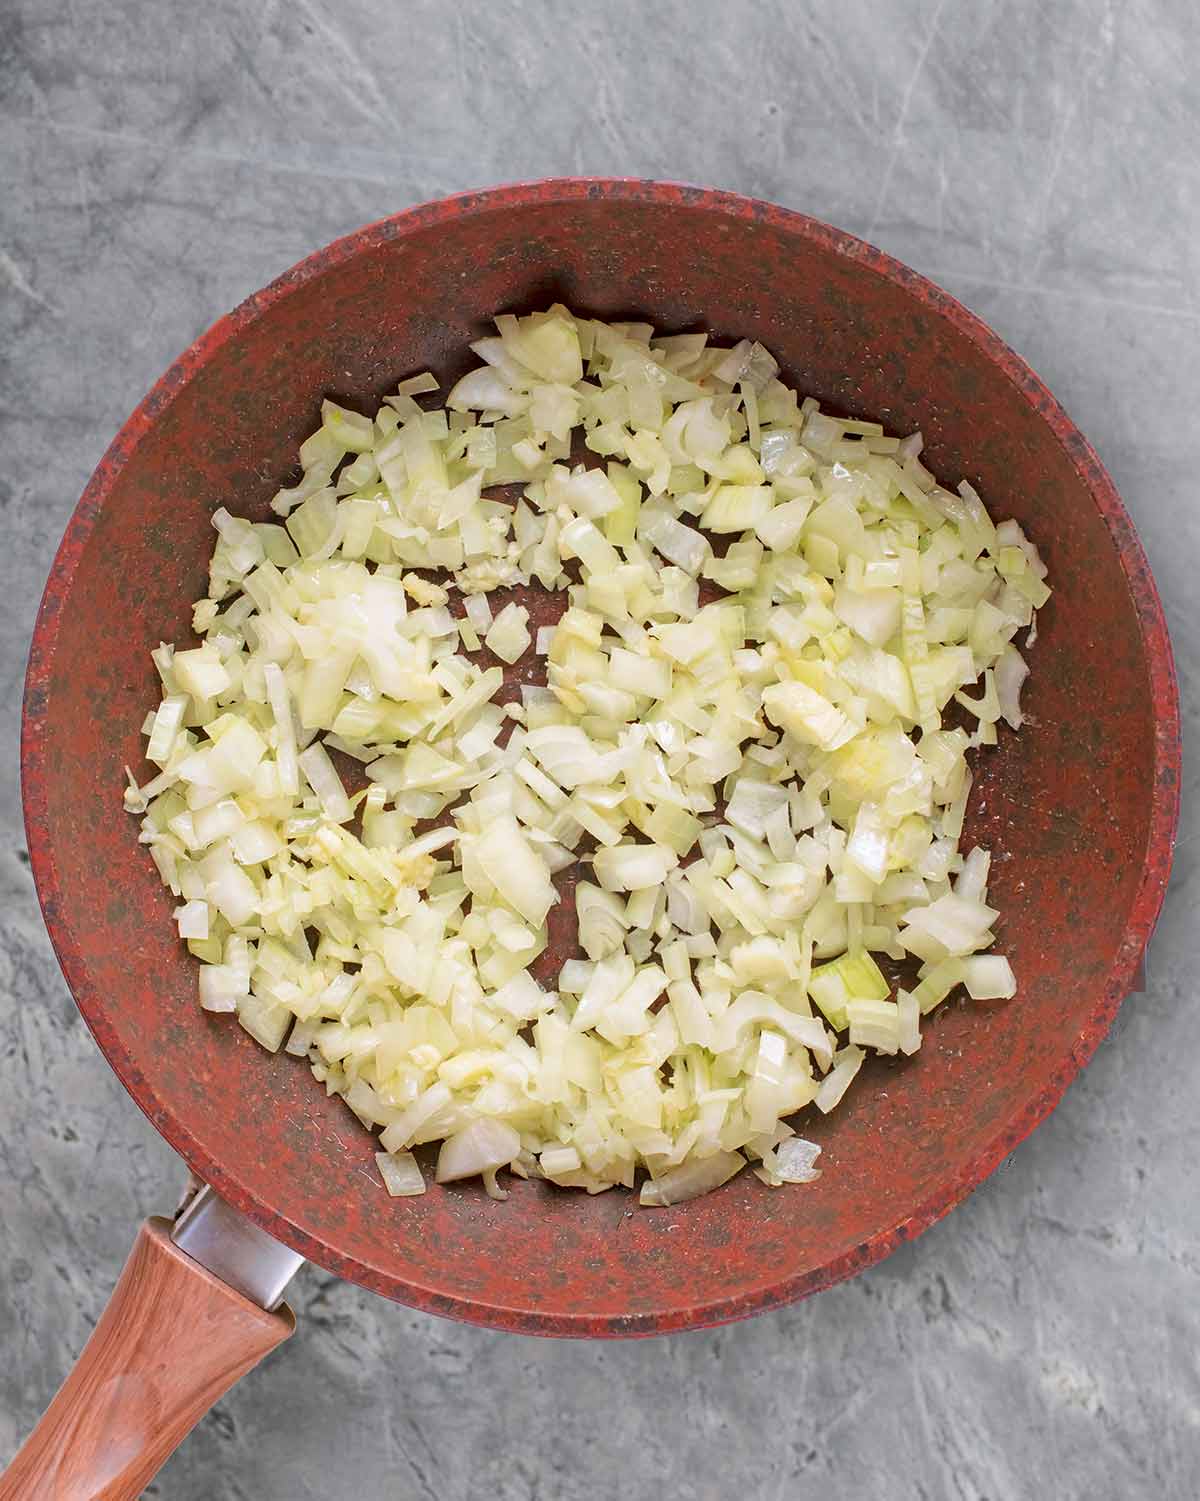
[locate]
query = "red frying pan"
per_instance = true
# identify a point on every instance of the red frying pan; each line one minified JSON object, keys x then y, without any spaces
{"x":1080,"y":808}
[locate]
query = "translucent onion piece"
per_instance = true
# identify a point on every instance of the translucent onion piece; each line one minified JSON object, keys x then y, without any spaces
{"x":794,"y":1160}
{"x":401,"y":1176}
{"x":692,"y":1179}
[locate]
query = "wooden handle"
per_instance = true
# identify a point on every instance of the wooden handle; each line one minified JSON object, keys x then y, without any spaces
{"x":172,"y":1340}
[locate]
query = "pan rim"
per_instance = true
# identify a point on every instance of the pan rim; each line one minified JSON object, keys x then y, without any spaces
{"x":1164,"y":792}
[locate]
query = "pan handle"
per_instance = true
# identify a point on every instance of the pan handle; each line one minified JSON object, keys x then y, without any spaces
{"x":172,"y":1340}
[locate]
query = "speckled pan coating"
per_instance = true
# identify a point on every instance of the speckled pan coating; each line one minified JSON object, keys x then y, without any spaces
{"x":1080,"y":809}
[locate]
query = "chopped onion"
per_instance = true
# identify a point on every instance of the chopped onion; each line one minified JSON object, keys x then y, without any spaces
{"x":633,"y":867}
{"x":838,"y":1080}
{"x":508,"y":637}
{"x":401,"y":1176}
{"x":1011,"y":672}
{"x":481,"y":1147}
{"x":192,"y":919}
{"x":691,"y":1179}
{"x":325,"y":782}
{"x":794,"y":1160}
{"x":761,"y":782}
{"x":989,"y":977}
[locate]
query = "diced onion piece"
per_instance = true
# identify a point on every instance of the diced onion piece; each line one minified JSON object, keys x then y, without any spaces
{"x":838,"y":1080}
{"x":558,"y":1161}
{"x":285,"y":728}
{"x":910,"y":1021}
{"x":220,"y":988}
{"x":874,"y":1024}
{"x":400,"y":1173}
{"x":508,"y":637}
{"x":737,"y":508}
{"x":325,"y":782}
{"x":1011,"y":672}
{"x":201,"y":672}
{"x":192,"y":919}
{"x":633,"y":867}
{"x":481,"y":1147}
{"x":794,"y":1160}
{"x":479,"y":611}
{"x":989,"y":977}
{"x":165,"y":728}
{"x":691,"y":1179}
{"x":515,"y":869}
{"x":804,"y":713}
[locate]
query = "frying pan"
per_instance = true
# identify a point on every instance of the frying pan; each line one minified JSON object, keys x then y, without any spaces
{"x":1079,"y":809}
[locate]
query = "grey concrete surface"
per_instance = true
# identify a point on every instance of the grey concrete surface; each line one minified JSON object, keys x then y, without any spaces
{"x":160,"y":161}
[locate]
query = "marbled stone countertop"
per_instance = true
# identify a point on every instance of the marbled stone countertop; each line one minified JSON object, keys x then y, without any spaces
{"x":162,"y":160}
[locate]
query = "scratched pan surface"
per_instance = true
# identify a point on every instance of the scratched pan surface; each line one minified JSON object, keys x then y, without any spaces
{"x":1079,"y":809}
